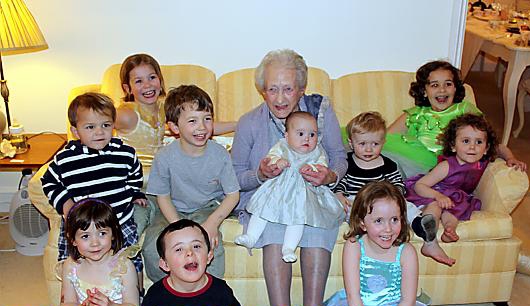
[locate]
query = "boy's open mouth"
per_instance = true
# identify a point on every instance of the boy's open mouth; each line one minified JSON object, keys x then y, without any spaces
{"x":192,"y":266}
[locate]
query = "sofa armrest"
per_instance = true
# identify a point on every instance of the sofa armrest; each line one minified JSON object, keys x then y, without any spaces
{"x":501,"y":187}
{"x":40,"y":200}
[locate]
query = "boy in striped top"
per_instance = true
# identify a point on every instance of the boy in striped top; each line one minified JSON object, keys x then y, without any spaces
{"x":366,"y":137}
{"x":96,"y":165}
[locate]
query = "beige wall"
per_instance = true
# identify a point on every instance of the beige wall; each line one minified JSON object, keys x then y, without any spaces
{"x":340,"y":36}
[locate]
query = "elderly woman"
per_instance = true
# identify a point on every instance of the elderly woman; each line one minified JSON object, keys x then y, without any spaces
{"x":281,"y":79}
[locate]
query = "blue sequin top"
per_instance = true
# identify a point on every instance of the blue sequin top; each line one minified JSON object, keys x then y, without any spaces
{"x":380,"y":281}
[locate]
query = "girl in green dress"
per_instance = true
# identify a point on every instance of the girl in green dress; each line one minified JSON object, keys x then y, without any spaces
{"x":412,"y":140}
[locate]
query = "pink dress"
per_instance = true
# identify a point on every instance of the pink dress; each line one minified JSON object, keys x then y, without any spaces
{"x":459,"y":185}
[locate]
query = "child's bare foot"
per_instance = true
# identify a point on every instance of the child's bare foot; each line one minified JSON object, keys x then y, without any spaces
{"x":450,"y":235}
{"x":433,"y":250}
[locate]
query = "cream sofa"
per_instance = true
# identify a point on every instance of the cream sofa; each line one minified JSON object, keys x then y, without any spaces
{"x":486,"y":253}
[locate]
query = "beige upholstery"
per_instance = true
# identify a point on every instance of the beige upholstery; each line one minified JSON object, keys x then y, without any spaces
{"x":384,"y":91}
{"x":486,"y":253}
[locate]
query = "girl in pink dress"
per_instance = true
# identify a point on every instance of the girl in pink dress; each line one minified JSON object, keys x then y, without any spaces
{"x":469,"y":143}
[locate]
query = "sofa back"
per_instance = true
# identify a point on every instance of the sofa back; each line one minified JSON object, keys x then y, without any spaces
{"x":384,"y":91}
{"x":234,"y":93}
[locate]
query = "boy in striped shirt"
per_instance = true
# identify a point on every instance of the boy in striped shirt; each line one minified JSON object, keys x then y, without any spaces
{"x":96,"y":165}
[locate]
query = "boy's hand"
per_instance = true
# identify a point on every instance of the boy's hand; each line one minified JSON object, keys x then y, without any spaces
{"x":345,"y":202}
{"x":141,"y":202}
{"x":213,"y":233}
{"x":67,"y":206}
{"x":444,"y":202}
{"x":517,"y":164}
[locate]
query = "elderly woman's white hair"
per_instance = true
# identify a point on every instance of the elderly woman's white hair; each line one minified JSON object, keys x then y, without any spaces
{"x":286,"y":58}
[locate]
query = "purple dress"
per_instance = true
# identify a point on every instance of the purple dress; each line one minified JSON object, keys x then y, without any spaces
{"x":459,"y":184}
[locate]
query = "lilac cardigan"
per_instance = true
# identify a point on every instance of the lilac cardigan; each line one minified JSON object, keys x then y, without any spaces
{"x":251,"y":144}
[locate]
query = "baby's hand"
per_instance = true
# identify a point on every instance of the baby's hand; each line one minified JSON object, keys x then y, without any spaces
{"x":517,"y":164}
{"x":282,"y":163}
{"x":141,"y":202}
{"x":444,"y":202}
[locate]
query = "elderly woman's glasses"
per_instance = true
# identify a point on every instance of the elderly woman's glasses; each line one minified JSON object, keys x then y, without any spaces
{"x":274,"y":90}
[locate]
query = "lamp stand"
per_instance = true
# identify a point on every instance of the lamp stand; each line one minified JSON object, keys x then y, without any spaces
{"x":5,"y":92}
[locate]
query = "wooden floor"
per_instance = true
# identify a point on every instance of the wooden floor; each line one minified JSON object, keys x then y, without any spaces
{"x":22,"y":277}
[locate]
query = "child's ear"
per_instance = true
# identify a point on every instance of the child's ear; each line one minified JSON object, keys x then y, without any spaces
{"x":350,"y":143}
{"x":126,"y":88}
{"x":73,"y":129}
{"x":173,"y":127}
{"x":210,"y":257}
{"x":363,"y":227}
{"x":163,"y":265}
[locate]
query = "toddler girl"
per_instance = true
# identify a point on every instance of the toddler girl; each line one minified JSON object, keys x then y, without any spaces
{"x":288,"y":198}
{"x":379,"y":266}
{"x":97,"y":271}
{"x":469,"y":143}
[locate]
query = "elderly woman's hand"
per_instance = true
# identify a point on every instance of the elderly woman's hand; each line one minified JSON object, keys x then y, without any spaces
{"x":322,"y":176}
{"x":267,"y":171}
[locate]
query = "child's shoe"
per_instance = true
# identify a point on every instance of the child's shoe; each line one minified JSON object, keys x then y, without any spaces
{"x":424,"y":227}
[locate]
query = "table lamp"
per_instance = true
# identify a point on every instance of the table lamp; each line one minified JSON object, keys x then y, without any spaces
{"x":19,"y":33}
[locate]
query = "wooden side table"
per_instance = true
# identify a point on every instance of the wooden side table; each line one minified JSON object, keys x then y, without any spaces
{"x":42,"y":148}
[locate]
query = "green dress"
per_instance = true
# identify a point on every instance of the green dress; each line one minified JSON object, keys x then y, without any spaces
{"x":417,"y":150}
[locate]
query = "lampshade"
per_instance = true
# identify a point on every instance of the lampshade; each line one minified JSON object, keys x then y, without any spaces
{"x":19,"y":33}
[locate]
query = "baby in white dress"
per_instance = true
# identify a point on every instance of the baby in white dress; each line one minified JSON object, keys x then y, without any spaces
{"x":288,"y":198}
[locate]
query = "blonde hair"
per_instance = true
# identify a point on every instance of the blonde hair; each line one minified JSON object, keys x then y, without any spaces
{"x":367,"y":122}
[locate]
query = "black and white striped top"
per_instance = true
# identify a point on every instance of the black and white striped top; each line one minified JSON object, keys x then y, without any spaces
{"x":357,"y":177}
{"x":112,"y":174}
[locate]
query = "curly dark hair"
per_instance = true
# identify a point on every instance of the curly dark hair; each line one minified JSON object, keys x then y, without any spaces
{"x":417,"y":89}
{"x":479,"y":122}
{"x":364,"y":204}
